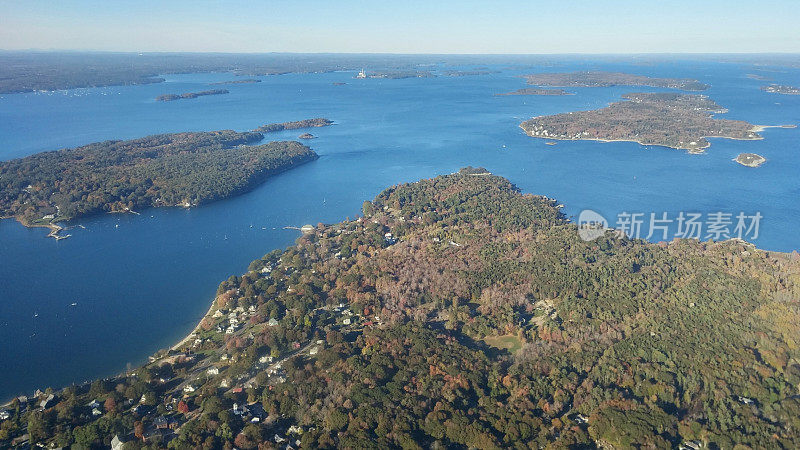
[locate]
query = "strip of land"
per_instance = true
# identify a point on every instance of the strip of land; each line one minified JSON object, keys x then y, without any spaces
{"x":188,"y":95}
{"x":531,"y":91}
{"x":245,"y":81}
{"x":607,"y":79}
{"x":397,"y":74}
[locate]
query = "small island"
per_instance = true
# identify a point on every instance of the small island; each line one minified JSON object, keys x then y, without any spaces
{"x":306,"y":136}
{"x":187,"y":95}
{"x":245,"y":81}
{"x":532,"y":91}
{"x":750,"y":159}
{"x":781,"y":89}
{"x":680,"y":121}
{"x":299,"y":124}
{"x":608,"y":79}
{"x":179,"y":169}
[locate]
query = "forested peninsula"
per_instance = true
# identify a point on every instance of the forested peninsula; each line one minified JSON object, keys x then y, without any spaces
{"x":607,"y":79}
{"x":460,"y":313}
{"x":680,"y":121}
{"x":179,"y":169}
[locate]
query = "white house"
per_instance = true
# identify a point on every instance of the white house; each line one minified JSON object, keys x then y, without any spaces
{"x":117,"y":443}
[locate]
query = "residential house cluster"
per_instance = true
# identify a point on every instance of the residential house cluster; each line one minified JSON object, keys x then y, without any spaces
{"x":230,"y":321}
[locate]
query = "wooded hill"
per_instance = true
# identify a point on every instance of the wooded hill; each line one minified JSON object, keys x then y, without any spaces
{"x":358,"y":338}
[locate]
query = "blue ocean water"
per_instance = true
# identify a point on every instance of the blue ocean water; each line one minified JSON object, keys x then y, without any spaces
{"x":141,"y":282}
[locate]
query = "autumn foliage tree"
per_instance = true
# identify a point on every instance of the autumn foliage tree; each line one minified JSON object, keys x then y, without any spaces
{"x":110,"y":404}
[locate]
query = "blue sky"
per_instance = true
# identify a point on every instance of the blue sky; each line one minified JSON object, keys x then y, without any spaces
{"x":405,"y":26}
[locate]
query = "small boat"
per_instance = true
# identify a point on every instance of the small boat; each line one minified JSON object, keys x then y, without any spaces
{"x":73,"y":304}
{"x":35,"y":315}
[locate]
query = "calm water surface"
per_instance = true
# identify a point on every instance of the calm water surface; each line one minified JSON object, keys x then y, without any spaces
{"x":140,"y":283}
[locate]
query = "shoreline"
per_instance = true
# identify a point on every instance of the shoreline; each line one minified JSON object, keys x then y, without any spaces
{"x":52,"y":226}
{"x":191,"y":334}
{"x":691,"y":150}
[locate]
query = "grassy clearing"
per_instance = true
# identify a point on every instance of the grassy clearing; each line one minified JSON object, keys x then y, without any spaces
{"x":508,"y":342}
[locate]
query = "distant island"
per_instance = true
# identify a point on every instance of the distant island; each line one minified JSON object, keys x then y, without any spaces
{"x":469,"y":73}
{"x":299,"y":124}
{"x":53,"y":70}
{"x":781,"y":89}
{"x":172,"y":97}
{"x":607,"y":79}
{"x":306,"y":136}
{"x":750,"y":159}
{"x":531,"y":91}
{"x":245,"y":81}
{"x":179,"y":169}
{"x":755,"y":76}
{"x":680,"y":121}
{"x":460,"y":313}
{"x":396,"y":74}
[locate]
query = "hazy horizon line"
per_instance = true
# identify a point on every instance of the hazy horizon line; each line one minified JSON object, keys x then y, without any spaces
{"x":142,"y":52}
